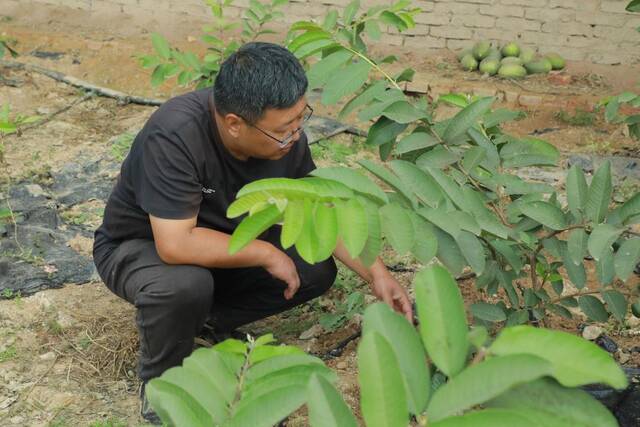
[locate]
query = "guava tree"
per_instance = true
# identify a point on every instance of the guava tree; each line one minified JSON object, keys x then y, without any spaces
{"x":449,"y":189}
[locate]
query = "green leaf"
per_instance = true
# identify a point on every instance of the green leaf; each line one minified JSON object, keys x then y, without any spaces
{"x":437,"y":158}
{"x":616,"y":303}
{"x":363,"y":98}
{"x":575,"y":360}
{"x":601,"y":239}
{"x":352,"y":77}
{"x":577,"y":191}
{"x":393,"y":20}
{"x":545,"y":213}
{"x":279,"y":363}
{"x":466,"y":118}
{"x":500,"y":116}
{"x":472,"y":250}
{"x":473,"y":157}
{"x":326,"y":406}
{"x":372,"y":29}
{"x":314,"y":47}
{"x":488,"y":418}
{"x":330,"y":20}
{"x":634,"y":6}
{"x":383,"y":131}
{"x":406,"y":76}
{"x":161,"y":45}
{"x":550,"y":401}
{"x":577,"y":245}
{"x":397,"y":227}
{"x":322,"y":71}
{"x":350,"y":12}
{"x":529,"y":152}
{"x":488,"y":312}
{"x":308,"y":37}
{"x":593,"y":308}
{"x":422,"y":185}
{"x":374,"y":241}
{"x":382,"y":393}
{"x":268,"y":409}
{"x":449,"y":252}
{"x":382,"y":101}
{"x":307,"y":244}
{"x":354,"y":180}
{"x":484,"y":381}
{"x":293,"y":223}
{"x":506,"y":250}
{"x":385,"y":175}
{"x":175,"y":405}
{"x":627,"y":258}
{"x":425,"y":246}
{"x":158,"y":75}
{"x":403,"y":112}
{"x":353,"y":226}
{"x":455,"y":99}
{"x":251,"y":227}
{"x":560,"y":311}
{"x":326,"y":227}
{"x":576,"y":272}
{"x":605,"y":269}
{"x":492,"y":156}
{"x":599,"y":194}
{"x":418,"y":140}
{"x":406,"y":344}
{"x":443,"y":323}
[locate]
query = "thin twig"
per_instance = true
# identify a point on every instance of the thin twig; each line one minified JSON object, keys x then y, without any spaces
{"x":50,"y":117}
{"x":121,"y":97}
{"x":579,"y":294}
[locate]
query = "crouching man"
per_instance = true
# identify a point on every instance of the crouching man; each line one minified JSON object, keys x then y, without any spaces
{"x":163,"y":243}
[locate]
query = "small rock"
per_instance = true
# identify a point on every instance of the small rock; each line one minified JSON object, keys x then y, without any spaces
{"x":35,"y":190}
{"x":44,"y":111}
{"x":47,"y":356}
{"x":311,"y":345}
{"x":623,"y":357}
{"x":633,"y":322}
{"x":17,"y":420}
{"x":312,"y":332}
{"x":592,"y":332}
{"x":341,"y":365}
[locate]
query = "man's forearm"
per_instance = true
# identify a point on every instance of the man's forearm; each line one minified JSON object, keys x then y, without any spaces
{"x":367,"y":273}
{"x":210,"y":248}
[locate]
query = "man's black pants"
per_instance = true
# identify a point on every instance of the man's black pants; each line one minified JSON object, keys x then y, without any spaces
{"x":174,"y":301}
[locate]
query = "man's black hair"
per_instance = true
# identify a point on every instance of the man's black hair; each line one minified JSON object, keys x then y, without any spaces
{"x":256,"y":77}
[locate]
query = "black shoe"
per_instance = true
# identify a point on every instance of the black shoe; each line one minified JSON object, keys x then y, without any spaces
{"x":212,"y":336}
{"x":146,"y":412}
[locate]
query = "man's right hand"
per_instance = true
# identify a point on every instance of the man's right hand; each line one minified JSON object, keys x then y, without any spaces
{"x":280,"y":266}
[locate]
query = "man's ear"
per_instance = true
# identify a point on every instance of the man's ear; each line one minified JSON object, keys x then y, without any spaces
{"x":235,"y":124}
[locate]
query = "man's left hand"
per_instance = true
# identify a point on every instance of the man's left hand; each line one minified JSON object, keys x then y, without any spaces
{"x":387,"y":289}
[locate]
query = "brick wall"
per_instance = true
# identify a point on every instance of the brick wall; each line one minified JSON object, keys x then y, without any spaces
{"x":598,"y":31}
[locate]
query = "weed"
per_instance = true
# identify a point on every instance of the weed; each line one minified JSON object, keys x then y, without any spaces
{"x":8,"y":353}
{"x":121,"y":145}
{"x":580,"y":118}
{"x":25,"y":255}
{"x":109,"y":422}
{"x":54,"y":327}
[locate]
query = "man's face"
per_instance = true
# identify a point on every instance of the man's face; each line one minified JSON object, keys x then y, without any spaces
{"x":263,"y":139}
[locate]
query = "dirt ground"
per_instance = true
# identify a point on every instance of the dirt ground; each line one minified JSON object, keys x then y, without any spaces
{"x":67,"y":356}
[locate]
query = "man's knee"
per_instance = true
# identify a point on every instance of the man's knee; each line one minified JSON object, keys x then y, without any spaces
{"x":322,"y":276}
{"x":185,"y":288}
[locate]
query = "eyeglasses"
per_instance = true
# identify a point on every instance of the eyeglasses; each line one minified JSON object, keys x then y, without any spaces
{"x":289,"y":138}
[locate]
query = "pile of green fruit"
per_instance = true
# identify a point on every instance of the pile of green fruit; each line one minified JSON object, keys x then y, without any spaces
{"x":509,"y":62}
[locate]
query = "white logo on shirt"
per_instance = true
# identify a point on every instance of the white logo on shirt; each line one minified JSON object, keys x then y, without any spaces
{"x":208,"y":190}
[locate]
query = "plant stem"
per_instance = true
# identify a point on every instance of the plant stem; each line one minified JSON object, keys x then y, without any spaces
{"x":375,"y":66}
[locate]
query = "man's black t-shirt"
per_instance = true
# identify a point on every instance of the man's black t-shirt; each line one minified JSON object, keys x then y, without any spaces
{"x":178,"y":168}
